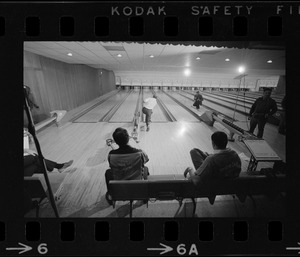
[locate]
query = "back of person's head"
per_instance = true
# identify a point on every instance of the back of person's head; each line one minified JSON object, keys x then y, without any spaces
{"x":154,"y":96}
{"x":219,"y":139}
{"x":198,"y":92}
{"x":121,"y":136}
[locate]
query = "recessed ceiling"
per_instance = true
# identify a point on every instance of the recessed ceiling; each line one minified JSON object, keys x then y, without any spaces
{"x":168,"y":57}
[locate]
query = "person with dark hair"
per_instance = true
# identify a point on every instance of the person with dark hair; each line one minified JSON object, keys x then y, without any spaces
{"x":223,"y":164}
{"x":261,"y":109}
{"x":126,"y":162}
{"x":282,"y":126}
{"x":32,"y":164}
{"x":198,"y":98}
{"x":149,"y":104}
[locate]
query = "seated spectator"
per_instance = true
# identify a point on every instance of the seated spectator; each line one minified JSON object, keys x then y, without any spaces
{"x":32,"y":164}
{"x":126,"y":162}
{"x":224,"y":163}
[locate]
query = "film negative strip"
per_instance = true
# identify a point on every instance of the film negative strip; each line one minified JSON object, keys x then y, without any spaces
{"x":31,"y":26}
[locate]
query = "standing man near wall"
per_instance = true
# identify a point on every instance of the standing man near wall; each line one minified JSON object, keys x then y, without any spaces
{"x":149,"y":104}
{"x":31,"y":103}
{"x":262,"y":108}
{"x":282,"y":126}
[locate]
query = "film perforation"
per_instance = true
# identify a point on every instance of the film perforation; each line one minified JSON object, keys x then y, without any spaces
{"x":171,"y":230}
{"x":136,"y":26}
{"x":67,"y":26}
{"x":102,"y":231}
{"x":206,"y":231}
{"x":101,"y":26}
{"x":170,"y":26}
{"x":2,"y":231}
{"x":32,"y":26}
{"x":67,"y":231}
{"x":240,"y":26}
{"x":137,"y":231}
{"x":240,"y":231}
{"x":2,"y":26}
{"x":33,"y":231}
{"x":275,"y":26}
{"x":205,"y":26}
{"x":275,"y":229}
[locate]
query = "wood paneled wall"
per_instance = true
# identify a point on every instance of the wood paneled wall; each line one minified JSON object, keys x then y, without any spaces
{"x":61,"y":86}
{"x":107,"y":80}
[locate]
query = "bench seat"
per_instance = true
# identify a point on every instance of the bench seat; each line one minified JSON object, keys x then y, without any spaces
{"x":176,"y":187}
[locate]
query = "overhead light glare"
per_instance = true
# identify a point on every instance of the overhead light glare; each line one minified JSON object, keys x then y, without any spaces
{"x":187,"y":72}
{"x":119,"y":55}
{"x":151,"y":56}
{"x":270,"y":61}
{"x":198,"y":58}
{"x":70,"y":54}
{"x":227,"y":60}
{"x":241,"y":69}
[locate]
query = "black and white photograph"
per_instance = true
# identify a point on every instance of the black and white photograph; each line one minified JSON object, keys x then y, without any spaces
{"x":154,"y":129}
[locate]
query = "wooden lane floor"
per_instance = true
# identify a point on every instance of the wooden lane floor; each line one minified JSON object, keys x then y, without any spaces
{"x":178,"y":111}
{"x":247,"y":98}
{"x":126,"y":111}
{"x":95,"y":114}
{"x":213,"y":105}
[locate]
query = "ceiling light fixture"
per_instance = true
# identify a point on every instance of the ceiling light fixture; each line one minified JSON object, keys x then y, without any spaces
{"x":270,"y":61}
{"x":119,"y":55}
{"x":70,"y":54}
{"x":151,"y":56}
{"x":227,"y":60}
{"x":198,"y":58}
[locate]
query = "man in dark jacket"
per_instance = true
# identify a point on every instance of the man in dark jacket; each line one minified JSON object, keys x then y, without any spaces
{"x":198,"y":100}
{"x":262,"y":108}
{"x":126,"y":162}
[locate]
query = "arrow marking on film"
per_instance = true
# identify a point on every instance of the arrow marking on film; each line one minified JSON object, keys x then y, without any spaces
{"x":164,"y":250}
{"x":294,"y":248}
{"x":24,"y":249}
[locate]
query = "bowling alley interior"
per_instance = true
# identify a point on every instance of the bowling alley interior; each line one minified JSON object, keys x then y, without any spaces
{"x":80,"y":92}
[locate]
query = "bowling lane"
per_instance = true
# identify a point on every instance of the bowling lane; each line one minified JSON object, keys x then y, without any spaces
{"x":222,"y":109}
{"x":227,"y":102}
{"x":126,"y":111}
{"x":99,"y":111}
{"x":241,"y":100}
{"x":157,"y":115}
{"x":243,"y":107}
{"x":250,"y":96}
{"x":178,"y":112}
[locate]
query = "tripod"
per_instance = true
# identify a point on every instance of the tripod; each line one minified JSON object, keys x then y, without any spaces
{"x":31,"y":130}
